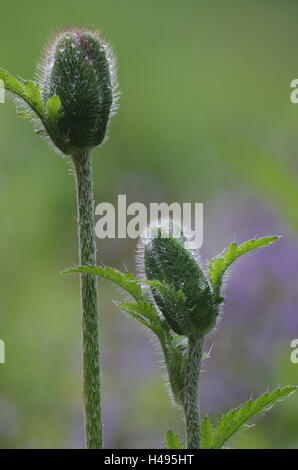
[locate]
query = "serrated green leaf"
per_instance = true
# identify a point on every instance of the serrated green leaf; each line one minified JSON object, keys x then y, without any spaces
{"x":29,"y":92}
{"x":235,"y":419}
{"x":145,"y":309}
{"x":41,"y":132}
{"x":26,"y":114}
{"x":141,"y":310}
{"x":53,"y":109}
{"x":206,"y":434}
{"x":11,"y":83}
{"x":127,"y":281}
{"x":133,"y":310}
{"x":34,"y":98}
{"x":219,"y":264}
{"x":173,"y":441}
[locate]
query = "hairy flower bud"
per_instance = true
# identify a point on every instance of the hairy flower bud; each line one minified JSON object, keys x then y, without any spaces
{"x":183,"y":293}
{"x":78,"y":67}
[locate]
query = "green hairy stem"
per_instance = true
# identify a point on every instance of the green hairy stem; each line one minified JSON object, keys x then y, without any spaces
{"x":190,"y":391}
{"x":89,"y":301}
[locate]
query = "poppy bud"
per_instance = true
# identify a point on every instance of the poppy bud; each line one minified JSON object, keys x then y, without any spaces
{"x":183,"y":293}
{"x":79,"y":68}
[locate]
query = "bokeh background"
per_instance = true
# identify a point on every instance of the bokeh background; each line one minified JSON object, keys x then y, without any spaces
{"x":205,"y":116}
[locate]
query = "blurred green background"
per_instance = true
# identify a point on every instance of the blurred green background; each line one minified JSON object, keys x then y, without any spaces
{"x":205,"y":116}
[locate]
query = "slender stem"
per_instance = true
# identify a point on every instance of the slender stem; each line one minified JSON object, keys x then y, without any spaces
{"x":190,"y":392}
{"x":89,"y":301}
